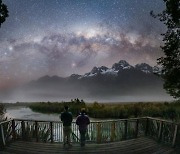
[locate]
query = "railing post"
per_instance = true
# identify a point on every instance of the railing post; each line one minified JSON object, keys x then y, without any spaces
{"x":51,"y":130}
{"x":2,"y":134}
{"x":99,"y":136}
{"x":113,"y":128}
{"x":137,"y":128}
{"x":13,"y":130}
{"x":175,"y":135}
{"x":36,"y":131}
{"x":147,"y":127}
{"x":125,"y":129}
{"x":23,"y":129}
{"x":160,"y":131}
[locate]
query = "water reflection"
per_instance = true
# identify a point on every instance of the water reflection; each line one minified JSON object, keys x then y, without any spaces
{"x":27,"y":113}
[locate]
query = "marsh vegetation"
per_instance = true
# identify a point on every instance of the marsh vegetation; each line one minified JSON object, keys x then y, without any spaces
{"x":167,"y":110}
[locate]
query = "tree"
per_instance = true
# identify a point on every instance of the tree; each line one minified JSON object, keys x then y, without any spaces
{"x":3,"y":12}
{"x":171,"y":60}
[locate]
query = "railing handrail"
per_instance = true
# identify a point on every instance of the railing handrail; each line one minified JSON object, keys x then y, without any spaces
{"x":5,"y":121}
{"x":98,"y":121}
{"x":162,"y":120}
{"x":3,"y":136}
{"x":102,"y":121}
{"x":98,"y":126}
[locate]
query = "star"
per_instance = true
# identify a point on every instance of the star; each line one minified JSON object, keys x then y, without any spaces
{"x":61,"y":37}
{"x":10,"y":48}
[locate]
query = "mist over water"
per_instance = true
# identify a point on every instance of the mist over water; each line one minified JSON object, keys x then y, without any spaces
{"x":126,"y":84}
{"x":110,"y":99}
{"x":90,"y":94}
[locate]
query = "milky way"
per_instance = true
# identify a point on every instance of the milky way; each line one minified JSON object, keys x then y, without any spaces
{"x":61,"y":37}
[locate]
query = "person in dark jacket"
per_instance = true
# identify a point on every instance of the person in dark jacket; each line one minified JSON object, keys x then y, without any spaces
{"x":82,"y":121}
{"x":66,"y":118}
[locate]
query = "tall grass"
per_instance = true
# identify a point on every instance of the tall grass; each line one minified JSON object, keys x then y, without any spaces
{"x":99,"y":110}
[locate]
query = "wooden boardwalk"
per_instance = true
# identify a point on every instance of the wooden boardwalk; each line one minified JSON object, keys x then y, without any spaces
{"x":140,"y":145}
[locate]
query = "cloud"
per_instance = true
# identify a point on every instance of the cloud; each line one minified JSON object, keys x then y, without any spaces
{"x":61,"y":54}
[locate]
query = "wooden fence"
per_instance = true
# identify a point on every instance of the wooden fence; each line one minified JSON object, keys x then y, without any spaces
{"x":98,"y":131}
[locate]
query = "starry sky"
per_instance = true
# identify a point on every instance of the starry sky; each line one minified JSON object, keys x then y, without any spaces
{"x":62,"y":37}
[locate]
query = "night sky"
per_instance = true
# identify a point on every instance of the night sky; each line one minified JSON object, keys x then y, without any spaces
{"x":62,"y":37}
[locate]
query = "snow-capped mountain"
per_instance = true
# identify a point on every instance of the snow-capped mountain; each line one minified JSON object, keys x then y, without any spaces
{"x":121,"y":65}
{"x":144,"y":68}
{"x":95,"y":71}
{"x":116,"y":70}
{"x":122,"y":79}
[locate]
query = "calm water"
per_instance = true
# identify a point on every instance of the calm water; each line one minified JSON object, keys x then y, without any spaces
{"x":27,"y":113}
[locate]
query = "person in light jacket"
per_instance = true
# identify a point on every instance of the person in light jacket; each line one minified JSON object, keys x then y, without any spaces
{"x":82,"y":121}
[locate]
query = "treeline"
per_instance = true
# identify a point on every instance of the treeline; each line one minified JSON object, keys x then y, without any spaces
{"x":98,"y":110}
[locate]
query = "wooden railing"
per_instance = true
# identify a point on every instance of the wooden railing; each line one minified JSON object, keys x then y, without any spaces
{"x":164,"y":131}
{"x":98,"y":131}
{"x":6,"y":132}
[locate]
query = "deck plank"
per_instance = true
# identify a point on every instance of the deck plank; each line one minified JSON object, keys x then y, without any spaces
{"x":134,"y":146}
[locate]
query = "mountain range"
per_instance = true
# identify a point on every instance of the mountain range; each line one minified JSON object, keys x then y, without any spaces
{"x":121,"y":82}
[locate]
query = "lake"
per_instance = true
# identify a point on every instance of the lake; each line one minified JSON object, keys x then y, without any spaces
{"x":26,"y":113}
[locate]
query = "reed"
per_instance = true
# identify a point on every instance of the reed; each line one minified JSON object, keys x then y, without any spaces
{"x":164,"y":110}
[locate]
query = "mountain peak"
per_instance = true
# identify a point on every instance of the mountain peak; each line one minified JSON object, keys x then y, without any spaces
{"x":94,"y":70}
{"x":113,"y":72}
{"x":75,"y":76}
{"x":99,"y":69}
{"x":144,"y":68}
{"x":122,"y":64}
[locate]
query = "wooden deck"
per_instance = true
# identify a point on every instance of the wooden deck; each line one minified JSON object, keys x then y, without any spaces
{"x":134,"y":146}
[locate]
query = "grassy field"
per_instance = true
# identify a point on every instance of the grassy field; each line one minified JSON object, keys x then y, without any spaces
{"x":166,"y":110}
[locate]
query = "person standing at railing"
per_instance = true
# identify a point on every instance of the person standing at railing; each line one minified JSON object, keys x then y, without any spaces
{"x":82,"y":121}
{"x":66,"y":118}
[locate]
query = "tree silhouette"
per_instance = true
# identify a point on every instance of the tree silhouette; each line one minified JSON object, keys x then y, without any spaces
{"x":171,"y":48}
{"x":3,"y":12}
